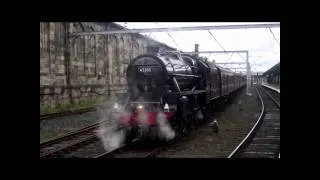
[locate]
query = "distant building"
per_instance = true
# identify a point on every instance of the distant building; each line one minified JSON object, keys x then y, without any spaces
{"x":273,"y":75}
{"x":257,"y":77}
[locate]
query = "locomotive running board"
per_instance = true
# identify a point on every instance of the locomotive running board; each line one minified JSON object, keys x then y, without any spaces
{"x":183,"y":93}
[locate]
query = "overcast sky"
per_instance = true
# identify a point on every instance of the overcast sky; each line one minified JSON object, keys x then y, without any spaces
{"x":264,"y":51}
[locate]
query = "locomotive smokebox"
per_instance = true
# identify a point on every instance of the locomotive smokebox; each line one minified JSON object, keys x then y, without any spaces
{"x":146,"y":78}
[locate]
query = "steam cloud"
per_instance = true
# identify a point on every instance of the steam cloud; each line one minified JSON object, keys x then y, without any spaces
{"x":112,"y":137}
{"x":107,"y":132}
{"x":165,"y":130}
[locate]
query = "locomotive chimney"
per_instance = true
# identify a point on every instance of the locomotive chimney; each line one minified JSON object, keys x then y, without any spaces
{"x":196,"y":49}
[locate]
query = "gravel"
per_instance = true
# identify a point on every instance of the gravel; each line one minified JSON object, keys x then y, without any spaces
{"x":235,"y":122}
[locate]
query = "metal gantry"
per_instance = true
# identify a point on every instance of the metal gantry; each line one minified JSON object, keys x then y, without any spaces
{"x":217,"y":27}
{"x":235,"y":51}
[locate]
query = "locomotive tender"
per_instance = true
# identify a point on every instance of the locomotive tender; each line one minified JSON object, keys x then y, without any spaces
{"x":172,"y":89}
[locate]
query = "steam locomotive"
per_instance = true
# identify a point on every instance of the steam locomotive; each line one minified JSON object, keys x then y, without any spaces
{"x":169,"y":92}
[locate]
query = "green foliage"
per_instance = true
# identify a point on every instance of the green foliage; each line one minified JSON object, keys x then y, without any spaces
{"x":60,"y":107}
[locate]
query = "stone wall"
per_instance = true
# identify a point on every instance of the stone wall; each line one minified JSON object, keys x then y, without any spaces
{"x":87,"y":66}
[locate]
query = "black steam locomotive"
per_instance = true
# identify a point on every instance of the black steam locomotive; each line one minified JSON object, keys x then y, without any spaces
{"x":168,"y":93}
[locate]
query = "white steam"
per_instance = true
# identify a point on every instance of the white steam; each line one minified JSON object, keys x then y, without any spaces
{"x":165,"y":130}
{"x":108,"y":132}
{"x":110,"y":138}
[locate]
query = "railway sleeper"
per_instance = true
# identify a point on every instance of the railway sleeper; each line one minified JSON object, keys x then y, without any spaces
{"x":253,"y":154}
{"x":262,"y":140}
{"x":272,"y":115}
{"x":262,"y":148}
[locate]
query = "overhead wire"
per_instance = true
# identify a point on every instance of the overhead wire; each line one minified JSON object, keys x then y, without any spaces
{"x":174,"y":41}
{"x":220,"y":45}
{"x":223,"y":47}
{"x":274,"y":37}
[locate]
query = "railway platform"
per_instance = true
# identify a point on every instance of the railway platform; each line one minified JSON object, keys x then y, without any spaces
{"x":274,"y":87}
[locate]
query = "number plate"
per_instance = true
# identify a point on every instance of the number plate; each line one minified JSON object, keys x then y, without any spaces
{"x":144,"y":69}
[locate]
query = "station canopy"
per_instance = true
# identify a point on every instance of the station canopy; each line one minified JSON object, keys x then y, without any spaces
{"x":263,"y":44}
{"x":274,"y":70}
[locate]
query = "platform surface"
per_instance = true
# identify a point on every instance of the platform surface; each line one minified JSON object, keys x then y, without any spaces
{"x":274,"y":87}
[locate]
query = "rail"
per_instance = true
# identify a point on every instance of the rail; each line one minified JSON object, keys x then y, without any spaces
{"x":265,"y":133}
{"x":66,"y":113}
{"x":246,"y":139}
{"x":55,"y":145}
{"x":68,"y":135}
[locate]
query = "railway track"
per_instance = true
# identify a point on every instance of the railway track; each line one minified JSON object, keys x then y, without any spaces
{"x":263,"y":141}
{"x":142,"y":149}
{"x":84,"y":144}
{"x":138,"y":148}
{"x":125,"y":150}
{"x":57,"y":146}
{"x":66,"y":113}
